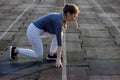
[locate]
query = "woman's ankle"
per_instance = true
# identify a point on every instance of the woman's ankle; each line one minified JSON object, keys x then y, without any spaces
{"x":16,"y":50}
{"x":51,"y":53}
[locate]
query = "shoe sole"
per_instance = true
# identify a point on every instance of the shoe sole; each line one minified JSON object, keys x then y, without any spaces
{"x":51,"y":59}
{"x":10,"y":52}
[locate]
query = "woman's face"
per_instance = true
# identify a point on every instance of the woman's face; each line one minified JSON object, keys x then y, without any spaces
{"x":71,"y":17}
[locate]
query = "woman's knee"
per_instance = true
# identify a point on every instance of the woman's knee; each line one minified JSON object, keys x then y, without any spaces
{"x":39,"y":55}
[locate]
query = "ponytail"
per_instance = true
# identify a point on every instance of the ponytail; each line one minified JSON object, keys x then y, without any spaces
{"x":64,"y":25}
{"x":65,"y":7}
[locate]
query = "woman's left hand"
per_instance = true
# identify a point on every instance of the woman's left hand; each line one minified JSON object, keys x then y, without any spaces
{"x":58,"y":63}
{"x":58,"y":60}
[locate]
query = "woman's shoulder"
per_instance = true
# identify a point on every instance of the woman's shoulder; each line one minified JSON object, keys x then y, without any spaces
{"x":53,"y":14}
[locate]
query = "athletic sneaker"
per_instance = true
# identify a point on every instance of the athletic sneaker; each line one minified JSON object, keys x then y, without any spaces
{"x":52,"y":57}
{"x":13,"y":55}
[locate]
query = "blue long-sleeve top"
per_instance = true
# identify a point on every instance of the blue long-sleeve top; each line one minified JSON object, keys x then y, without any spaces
{"x":51,"y":23}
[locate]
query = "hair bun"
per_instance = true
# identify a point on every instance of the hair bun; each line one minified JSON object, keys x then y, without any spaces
{"x":67,"y":5}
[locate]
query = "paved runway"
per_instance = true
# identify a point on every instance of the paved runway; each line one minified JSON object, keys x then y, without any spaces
{"x":91,"y":52}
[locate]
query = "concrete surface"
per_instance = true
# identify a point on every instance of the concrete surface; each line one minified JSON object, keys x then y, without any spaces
{"x":92,"y":52}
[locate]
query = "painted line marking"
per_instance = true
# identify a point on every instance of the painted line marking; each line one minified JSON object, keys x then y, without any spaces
{"x":64,"y":71}
{"x":106,"y":16}
{"x":14,"y":22}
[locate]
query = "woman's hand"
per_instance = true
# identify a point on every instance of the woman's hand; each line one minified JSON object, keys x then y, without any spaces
{"x":58,"y":63}
{"x":58,"y":60}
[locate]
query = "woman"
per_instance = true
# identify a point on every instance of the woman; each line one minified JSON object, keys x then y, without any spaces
{"x":50,"y":24}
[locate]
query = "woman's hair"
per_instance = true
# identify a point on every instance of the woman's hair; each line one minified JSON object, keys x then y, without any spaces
{"x":72,"y":9}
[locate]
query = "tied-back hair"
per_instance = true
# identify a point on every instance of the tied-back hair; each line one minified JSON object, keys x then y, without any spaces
{"x":72,"y":9}
{"x":64,"y":25}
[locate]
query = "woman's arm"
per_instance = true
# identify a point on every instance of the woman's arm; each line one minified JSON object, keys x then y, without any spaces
{"x":59,"y":45}
{"x":58,"y":60}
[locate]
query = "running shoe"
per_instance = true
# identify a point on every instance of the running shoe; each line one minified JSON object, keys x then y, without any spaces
{"x":13,"y":55}
{"x":52,"y":57}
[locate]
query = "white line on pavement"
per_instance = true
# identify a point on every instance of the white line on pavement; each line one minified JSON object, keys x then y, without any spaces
{"x":14,"y":22}
{"x":64,"y":72}
{"x":106,"y":16}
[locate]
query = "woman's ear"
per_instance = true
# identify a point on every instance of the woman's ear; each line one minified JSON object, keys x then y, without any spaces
{"x":68,"y":14}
